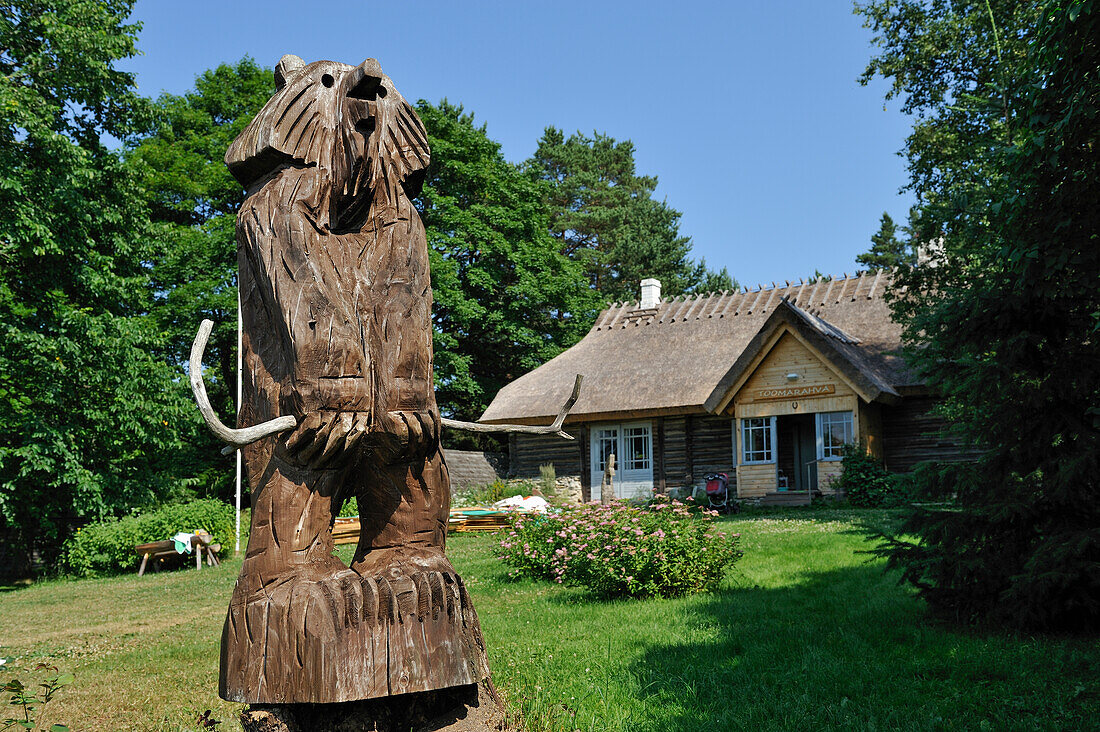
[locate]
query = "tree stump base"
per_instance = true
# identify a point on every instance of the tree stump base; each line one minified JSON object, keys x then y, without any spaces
{"x":470,"y":708}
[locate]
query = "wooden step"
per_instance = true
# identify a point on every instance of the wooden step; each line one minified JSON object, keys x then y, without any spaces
{"x":787,"y":498}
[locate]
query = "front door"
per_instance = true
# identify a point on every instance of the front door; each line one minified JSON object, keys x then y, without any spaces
{"x":796,"y":436}
{"x":632,"y":445}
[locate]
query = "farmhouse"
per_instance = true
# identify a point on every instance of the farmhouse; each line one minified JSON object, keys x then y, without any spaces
{"x":766,"y":386}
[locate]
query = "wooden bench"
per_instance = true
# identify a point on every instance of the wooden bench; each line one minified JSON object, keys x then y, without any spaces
{"x":164,"y":552}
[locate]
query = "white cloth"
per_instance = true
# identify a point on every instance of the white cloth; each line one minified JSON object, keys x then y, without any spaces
{"x":535,"y":504}
{"x":183,"y":539}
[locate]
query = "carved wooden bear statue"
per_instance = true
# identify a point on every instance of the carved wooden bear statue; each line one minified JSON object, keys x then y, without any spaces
{"x":336,"y":304}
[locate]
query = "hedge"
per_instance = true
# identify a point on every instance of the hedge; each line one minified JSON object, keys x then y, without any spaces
{"x":107,"y":547}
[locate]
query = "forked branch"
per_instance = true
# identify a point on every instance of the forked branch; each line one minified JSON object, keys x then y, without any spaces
{"x":235,"y":437}
{"x":551,"y":429}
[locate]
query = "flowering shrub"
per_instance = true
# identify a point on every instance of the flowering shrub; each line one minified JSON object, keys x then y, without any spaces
{"x":663,"y":549}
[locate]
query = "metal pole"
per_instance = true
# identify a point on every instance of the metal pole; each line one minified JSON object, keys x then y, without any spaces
{"x":237,"y":545}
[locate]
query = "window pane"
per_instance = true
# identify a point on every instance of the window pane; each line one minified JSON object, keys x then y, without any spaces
{"x":606,"y":441}
{"x":836,"y":432}
{"x":756,"y":439}
{"x":636,"y":441}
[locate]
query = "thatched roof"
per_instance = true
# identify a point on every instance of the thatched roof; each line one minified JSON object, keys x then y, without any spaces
{"x":679,"y":356}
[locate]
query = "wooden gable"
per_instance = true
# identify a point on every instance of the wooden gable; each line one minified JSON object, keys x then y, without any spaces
{"x":767,"y":390}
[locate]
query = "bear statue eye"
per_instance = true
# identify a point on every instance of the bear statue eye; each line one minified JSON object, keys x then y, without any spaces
{"x":327,"y":80}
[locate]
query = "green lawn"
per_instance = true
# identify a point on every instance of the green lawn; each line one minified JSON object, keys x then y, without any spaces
{"x":805,"y":634}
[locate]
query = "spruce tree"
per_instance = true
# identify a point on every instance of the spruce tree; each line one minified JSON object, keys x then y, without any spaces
{"x":1004,"y":326}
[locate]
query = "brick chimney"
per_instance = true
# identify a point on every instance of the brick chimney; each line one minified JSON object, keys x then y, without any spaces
{"x":651,"y":293}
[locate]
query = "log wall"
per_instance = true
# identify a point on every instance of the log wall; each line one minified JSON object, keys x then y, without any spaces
{"x":912,"y":434}
{"x":692,"y":447}
{"x":713,"y":447}
{"x":468,"y":468}
{"x":528,"y":452}
{"x":677,"y":470}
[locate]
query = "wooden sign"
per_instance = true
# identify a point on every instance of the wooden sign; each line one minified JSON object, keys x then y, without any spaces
{"x":793,"y":392}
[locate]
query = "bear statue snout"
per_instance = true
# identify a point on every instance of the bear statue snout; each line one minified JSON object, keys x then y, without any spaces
{"x":365,"y":81}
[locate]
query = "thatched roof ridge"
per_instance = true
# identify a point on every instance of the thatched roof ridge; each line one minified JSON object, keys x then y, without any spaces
{"x":671,"y":358}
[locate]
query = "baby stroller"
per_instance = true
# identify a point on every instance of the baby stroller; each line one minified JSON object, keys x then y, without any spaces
{"x":718,"y":493}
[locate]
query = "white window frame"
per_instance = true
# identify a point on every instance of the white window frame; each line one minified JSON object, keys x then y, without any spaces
{"x":769,"y":425}
{"x":820,"y":420}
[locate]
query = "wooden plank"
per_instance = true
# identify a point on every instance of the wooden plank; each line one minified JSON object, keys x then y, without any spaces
{"x":828,"y":471}
{"x":689,"y":461}
{"x":754,"y":481}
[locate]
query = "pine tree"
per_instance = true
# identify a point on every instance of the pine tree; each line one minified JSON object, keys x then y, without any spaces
{"x":887,"y":249}
{"x":604,"y":215}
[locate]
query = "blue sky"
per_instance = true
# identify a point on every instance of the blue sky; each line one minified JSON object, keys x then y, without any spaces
{"x":749,"y":113}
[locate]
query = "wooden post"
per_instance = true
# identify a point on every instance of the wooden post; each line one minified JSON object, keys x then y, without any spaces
{"x":607,"y":485}
{"x":586,"y":463}
{"x":659,"y":455}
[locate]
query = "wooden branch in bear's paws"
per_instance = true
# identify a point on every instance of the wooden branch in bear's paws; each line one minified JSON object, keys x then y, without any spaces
{"x":551,"y":429}
{"x":237,"y":438}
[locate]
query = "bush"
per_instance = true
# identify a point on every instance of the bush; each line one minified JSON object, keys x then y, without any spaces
{"x":864,"y":480}
{"x":108,"y":546}
{"x":488,"y":494}
{"x":659,"y":550}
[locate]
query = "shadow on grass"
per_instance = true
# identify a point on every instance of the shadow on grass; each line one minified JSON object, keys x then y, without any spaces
{"x":850,"y":649}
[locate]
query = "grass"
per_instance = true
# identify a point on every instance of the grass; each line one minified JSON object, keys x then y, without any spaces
{"x":806,"y":633}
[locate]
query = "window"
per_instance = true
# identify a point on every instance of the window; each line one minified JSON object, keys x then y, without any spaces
{"x":834,"y":431}
{"x":606,"y":440}
{"x":636,"y":446}
{"x":756,"y":440}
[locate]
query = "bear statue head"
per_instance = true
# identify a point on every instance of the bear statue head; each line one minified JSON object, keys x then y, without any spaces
{"x":350,"y":123}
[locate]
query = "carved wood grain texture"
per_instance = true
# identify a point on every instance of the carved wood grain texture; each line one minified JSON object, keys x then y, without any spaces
{"x":336,"y":310}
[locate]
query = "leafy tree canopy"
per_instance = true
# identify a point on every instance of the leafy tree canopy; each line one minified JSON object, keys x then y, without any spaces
{"x":85,"y":411}
{"x":178,"y":158}
{"x":603,"y":214}
{"x":1004,"y":161}
{"x":506,"y":298}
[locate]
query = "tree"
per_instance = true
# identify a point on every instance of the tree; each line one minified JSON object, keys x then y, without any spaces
{"x":1005,"y":325}
{"x":86,"y":413}
{"x":506,"y":299}
{"x":603,"y":214}
{"x":887,"y":249}
{"x":193,"y":200}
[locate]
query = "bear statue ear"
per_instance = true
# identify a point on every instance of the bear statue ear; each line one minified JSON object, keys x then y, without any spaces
{"x":288,"y":66}
{"x":294,"y":127}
